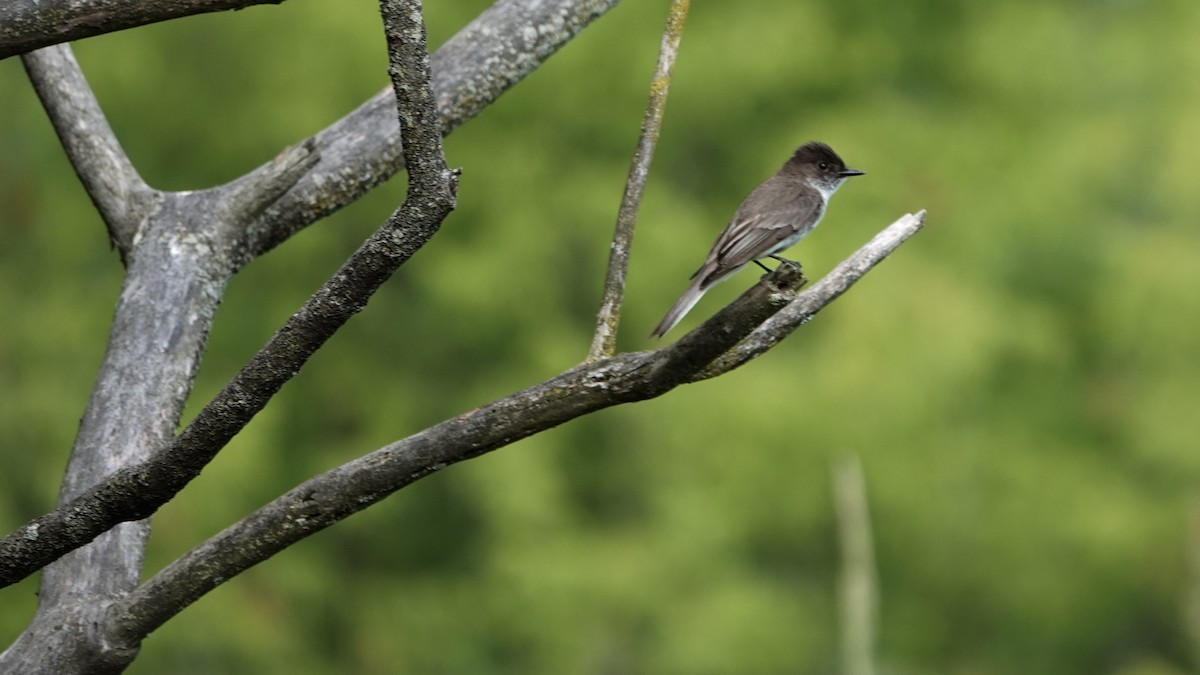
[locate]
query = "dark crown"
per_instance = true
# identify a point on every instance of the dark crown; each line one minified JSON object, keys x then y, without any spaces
{"x":815,"y":152}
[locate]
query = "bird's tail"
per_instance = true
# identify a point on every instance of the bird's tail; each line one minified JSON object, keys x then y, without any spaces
{"x":681,"y":307}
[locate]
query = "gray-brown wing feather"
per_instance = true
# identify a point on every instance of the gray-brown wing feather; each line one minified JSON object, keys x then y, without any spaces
{"x":773,"y":213}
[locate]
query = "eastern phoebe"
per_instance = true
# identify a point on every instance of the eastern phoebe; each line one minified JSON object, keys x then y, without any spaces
{"x":779,"y":213}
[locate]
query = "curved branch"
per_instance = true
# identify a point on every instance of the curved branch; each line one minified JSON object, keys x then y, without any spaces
{"x":119,"y":193}
{"x":26,"y":25}
{"x":329,"y":498}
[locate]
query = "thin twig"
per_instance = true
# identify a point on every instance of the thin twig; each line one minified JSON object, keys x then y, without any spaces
{"x":604,"y":343}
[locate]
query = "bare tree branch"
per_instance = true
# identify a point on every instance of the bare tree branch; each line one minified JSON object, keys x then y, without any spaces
{"x":609,"y":317}
{"x":326,"y":499}
{"x":495,"y":51}
{"x":359,"y":144}
{"x":806,"y":306}
{"x":331,"y":497}
{"x":26,"y":25}
{"x":119,"y":193}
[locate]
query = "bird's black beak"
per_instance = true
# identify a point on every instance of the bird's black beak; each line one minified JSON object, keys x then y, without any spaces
{"x":846,"y":173}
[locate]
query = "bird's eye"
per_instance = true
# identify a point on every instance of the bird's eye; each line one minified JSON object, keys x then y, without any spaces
{"x":824,"y":166}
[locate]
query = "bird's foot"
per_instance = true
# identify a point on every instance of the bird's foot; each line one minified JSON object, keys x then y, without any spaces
{"x":782,"y":261}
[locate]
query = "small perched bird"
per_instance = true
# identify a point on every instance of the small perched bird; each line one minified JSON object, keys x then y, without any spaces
{"x":776,"y":215}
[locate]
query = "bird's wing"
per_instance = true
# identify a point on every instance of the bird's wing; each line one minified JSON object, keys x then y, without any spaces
{"x":773,"y":213}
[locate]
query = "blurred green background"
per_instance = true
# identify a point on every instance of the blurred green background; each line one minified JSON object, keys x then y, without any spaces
{"x":1021,"y":380}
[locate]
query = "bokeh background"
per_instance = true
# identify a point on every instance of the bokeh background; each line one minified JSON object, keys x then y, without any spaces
{"x":1021,"y":380}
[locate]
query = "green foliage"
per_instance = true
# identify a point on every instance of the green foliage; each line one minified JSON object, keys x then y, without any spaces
{"x":1020,"y":380}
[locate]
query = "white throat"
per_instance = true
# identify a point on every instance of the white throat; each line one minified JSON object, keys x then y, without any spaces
{"x":827,"y":189}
